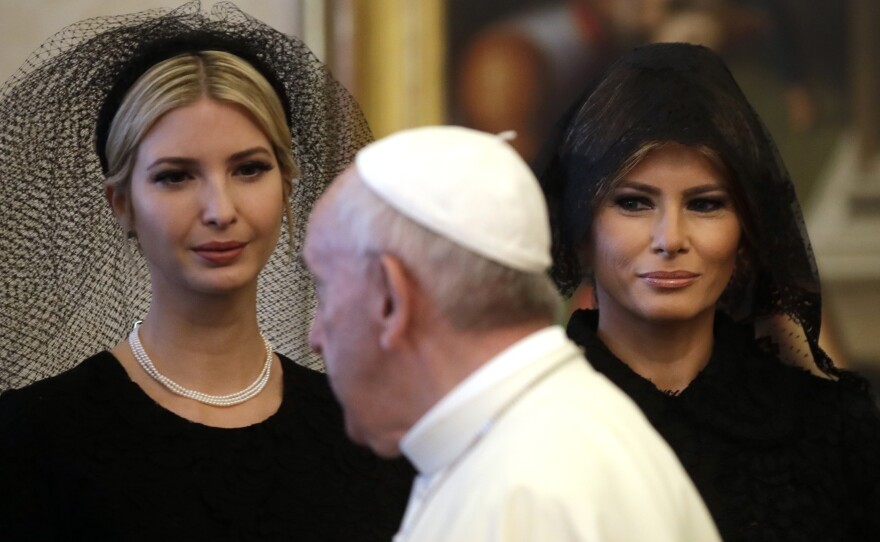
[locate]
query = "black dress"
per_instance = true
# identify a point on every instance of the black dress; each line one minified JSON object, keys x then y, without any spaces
{"x":777,"y":453}
{"x":88,"y":456}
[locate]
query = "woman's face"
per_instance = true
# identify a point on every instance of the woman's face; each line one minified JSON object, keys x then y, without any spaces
{"x":665,"y":239}
{"x":206,"y":199}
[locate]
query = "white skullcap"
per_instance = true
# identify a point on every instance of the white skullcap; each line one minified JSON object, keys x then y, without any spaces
{"x":467,"y":186}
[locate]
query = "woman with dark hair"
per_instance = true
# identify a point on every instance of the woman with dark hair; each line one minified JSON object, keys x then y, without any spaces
{"x":668,"y":195}
{"x":211,"y":134}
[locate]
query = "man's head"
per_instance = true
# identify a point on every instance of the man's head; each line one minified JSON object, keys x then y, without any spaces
{"x":434,"y":238}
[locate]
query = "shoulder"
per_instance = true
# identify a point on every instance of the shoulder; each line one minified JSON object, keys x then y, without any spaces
{"x":860,"y":417}
{"x":821,"y":408}
{"x":574,"y":458}
{"x":840,"y":424}
{"x":842,"y":413}
{"x":58,"y":394}
{"x":579,"y":428}
{"x":43,"y":421}
{"x":308,"y":400}
{"x":313,"y":426}
{"x":310,"y":405}
{"x":301,"y":380}
{"x":836,"y":420}
{"x":848,"y":398}
{"x":302,"y":371}
{"x":861,"y":449}
{"x":581,"y":468}
{"x":752,"y":365}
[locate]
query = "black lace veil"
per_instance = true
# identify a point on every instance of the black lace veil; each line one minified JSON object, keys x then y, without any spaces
{"x":71,"y":283}
{"x":684,"y":93}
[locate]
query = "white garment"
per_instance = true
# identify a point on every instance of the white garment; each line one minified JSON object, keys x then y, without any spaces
{"x":538,"y":446}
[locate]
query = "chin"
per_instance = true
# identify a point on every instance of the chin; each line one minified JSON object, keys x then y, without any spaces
{"x":387,"y":452}
{"x":674,"y":312}
{"x":380,"y":446}
{"x":225,"y":283}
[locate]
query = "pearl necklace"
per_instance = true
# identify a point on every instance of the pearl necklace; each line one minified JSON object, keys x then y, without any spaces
{"x":214,"y":400}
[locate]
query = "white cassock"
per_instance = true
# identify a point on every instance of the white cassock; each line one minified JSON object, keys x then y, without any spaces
{"x":538,"y":446}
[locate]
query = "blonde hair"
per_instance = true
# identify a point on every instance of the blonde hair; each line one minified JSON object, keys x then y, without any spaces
{"x":183,"y":80}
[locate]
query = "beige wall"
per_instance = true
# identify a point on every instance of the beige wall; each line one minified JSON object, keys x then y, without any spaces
{"x":25,"y":24}
{"x":389,"y":53}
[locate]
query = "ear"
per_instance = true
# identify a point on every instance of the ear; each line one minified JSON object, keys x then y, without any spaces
{"x":119,"y":203}
{"x":398,"y":297}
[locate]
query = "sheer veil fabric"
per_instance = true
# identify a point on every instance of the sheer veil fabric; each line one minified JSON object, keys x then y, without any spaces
{"x":71,"y":283}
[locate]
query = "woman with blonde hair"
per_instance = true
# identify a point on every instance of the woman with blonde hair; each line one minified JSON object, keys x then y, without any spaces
{"x":214,"y":136}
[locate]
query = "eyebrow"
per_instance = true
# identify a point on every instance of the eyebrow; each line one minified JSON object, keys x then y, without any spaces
{"x":653,"y":190}
{"x":173,"y":160}
{"x":183,"y":161}
{"x":248,"y":152}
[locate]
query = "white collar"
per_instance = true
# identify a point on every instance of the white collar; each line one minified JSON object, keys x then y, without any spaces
{"x":454,"y":422}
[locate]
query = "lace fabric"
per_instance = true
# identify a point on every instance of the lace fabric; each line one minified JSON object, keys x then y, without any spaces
{"x":684,"y":93}
{"x":72,"y":284}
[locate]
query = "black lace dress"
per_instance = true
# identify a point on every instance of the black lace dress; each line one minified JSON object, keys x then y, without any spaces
{"x":88,"y":456}
{"x":777,"y":453}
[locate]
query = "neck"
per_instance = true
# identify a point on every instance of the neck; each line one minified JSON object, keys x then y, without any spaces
{"x":210,"y":343}
{"x":451,"y":356}
{"x":669,"y":354}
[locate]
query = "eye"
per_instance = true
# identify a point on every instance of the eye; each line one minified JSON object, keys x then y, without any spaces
{"x":707,"y":205}
{"x":253,"y":169}
{"x":171,"y":177}
{"x":632,"y":203}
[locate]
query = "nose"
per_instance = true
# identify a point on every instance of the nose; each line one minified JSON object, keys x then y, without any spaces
{"x":218,"y":202}
{"x":670,"y":234}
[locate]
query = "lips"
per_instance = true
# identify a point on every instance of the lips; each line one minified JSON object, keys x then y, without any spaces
{"x":219,"y":252}
{"x":670,"y":279}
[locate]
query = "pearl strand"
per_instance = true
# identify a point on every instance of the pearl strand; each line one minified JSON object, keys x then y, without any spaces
{"x":214,"y":400}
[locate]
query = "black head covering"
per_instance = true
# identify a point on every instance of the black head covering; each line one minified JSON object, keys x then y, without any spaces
{"x":71,"y":283}
{"x":684,"y":93}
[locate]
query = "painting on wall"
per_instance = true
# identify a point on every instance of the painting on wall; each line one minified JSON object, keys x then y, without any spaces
{"x":517,"y":64}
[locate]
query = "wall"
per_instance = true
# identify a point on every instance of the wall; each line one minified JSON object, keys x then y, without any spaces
{"x":24,"y":25}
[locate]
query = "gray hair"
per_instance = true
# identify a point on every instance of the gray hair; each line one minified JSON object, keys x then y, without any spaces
{"x":471,"y":291}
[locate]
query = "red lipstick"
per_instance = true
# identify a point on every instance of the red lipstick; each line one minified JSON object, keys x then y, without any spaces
{"x":669,"y":279}
{"x":219,"y":252}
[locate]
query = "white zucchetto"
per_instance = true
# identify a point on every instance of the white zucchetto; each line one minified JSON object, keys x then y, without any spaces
{"x":467,"y":186}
